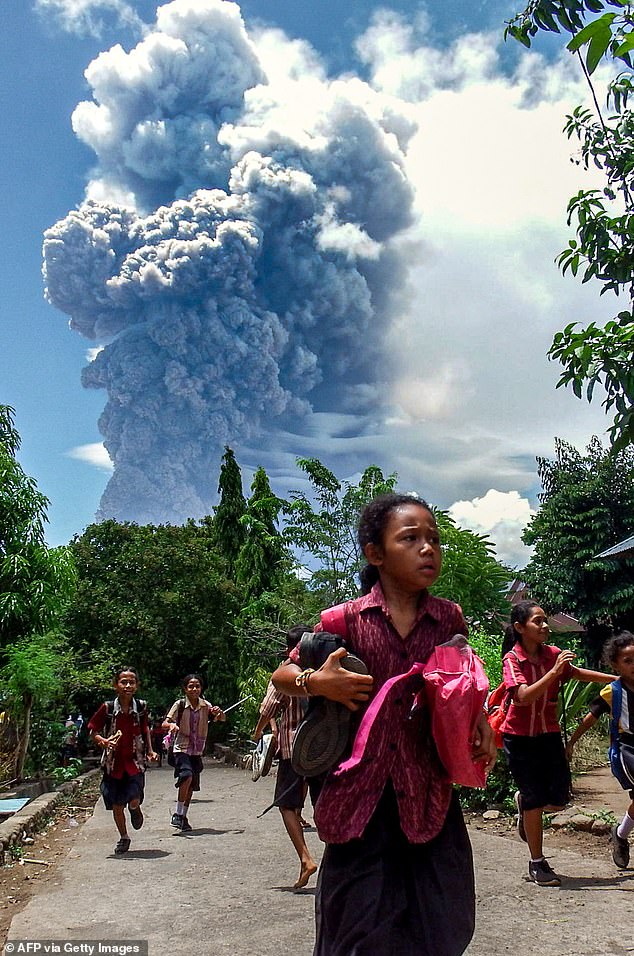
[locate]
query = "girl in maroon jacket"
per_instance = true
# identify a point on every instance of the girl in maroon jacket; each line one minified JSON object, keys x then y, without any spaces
{"x":397,"y":873}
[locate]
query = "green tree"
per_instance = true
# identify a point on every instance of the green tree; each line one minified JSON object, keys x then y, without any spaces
{"x":470,"y":573}
{"x":263,"y":559}
{"x":602,"y":31}
{"x":36,"y":584}
{"x":229,"y":532}
{"x":322,"y":525}
{"x":35,"y":670}
{"x":587,"y":505}
{"x":35,"y":581}
{"x":156,"y":598}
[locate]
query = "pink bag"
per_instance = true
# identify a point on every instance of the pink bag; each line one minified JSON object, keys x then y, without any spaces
{"x":455,"y":690}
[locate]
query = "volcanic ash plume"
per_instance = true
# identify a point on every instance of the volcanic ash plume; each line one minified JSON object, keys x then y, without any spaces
{"x":233,"y":254}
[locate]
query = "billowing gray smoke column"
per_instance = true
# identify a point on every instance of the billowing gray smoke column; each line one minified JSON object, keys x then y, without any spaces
{"x":233,"y":258}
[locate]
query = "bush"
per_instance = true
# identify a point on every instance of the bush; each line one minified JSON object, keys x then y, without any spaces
{"x":488,"y":647}
{"x":498,"y":794}
{"x":74,"y":769}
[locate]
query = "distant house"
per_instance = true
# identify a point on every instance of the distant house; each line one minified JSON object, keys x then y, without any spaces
{"x":558,"y":623}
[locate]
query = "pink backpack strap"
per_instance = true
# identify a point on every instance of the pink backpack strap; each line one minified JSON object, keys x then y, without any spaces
{"x":333,"y":620}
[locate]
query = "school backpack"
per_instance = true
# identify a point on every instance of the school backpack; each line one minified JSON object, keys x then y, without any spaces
{"x":496,"y":710}
{"x":109,"y":724}
{"x":623,"y":770}
{"x":172,"y":737}
{"x":109,"y":727}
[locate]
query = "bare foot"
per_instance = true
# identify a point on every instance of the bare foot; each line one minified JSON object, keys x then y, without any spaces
{"x":305,"y":873}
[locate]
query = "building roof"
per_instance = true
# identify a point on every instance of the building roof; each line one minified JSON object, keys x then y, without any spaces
{"x":624,"y":549}
{"x":559,"y":623}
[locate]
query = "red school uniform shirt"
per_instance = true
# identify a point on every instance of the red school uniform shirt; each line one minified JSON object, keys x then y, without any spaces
{"x":540,"y":717}
{"x":124,"y":755}
{"x":401,"y":749}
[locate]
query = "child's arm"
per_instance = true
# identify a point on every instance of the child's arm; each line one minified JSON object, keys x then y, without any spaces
{"x":528,"y":693}
{"x":169,"y":724}
{"x":590,"y":677}
{"x":588,"y":721}
{"x":149,"y":746}
{"x":261,"y":724}
{"x":331,"y":680}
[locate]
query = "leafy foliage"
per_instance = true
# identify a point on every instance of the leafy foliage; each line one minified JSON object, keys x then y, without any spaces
{"x":326,"y":531}
{"x":602,"y":30}
{"x":470,"y":574}
{"x":36,"y":584}
{"x":229,"y":532}
{"x":264,"y":557}
{"x":155,"y":598}
{"x":35,"y":581}
{"x":586,"y":506}
{"x":488,"y":647}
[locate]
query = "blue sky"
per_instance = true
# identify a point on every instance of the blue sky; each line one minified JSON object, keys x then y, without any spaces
{"x":464,"y":398}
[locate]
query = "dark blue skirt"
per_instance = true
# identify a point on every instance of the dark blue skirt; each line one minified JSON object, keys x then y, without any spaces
{"x":380,"y":895}
{"x":119,"y":791}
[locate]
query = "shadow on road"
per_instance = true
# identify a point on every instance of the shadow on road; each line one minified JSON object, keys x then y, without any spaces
{"x":204,"y":831}
{"x":139,"y":855}
{"x":593,"y":882}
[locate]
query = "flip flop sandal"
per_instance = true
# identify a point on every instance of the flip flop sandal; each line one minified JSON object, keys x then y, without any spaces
{"x":122,"y":846}
{"x":322,"y":736}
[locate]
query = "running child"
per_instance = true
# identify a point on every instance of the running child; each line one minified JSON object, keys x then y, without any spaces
{"x":290,"y":788}
{"x":189,"y":718}
{"x":397,"y":871}
{"x":533,"y":673}
{"x":126,"y":744}
{"x":619,"y":653}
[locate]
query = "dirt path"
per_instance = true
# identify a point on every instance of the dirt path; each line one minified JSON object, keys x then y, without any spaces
{"x":225,"y":889}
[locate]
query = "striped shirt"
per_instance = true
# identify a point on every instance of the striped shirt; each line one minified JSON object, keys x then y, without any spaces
{"x":292,"y":711}
{"x":539,"y":717}
{"x":402,"y":749}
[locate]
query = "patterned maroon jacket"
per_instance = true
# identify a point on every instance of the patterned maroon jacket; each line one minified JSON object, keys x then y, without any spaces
{"x":401,"y":749}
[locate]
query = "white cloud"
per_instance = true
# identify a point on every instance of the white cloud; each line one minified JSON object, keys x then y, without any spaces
{"x":94,"y":454}
{"x":90,"y":17}
{"x":501,"y":515}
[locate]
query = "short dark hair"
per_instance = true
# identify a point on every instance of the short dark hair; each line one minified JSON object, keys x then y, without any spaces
{"x":372,"y":523}
{"x":118,"y":671}
{"x":185,"y":681}
{"x":613,"y":647}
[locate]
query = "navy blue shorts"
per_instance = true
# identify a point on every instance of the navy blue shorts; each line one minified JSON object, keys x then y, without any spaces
{"x":186,"y":766}
{"x":540,"y":769}
{"x":119,"y":791}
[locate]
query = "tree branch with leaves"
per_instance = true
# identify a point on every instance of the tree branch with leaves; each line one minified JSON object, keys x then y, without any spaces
{"x":602,"y":32}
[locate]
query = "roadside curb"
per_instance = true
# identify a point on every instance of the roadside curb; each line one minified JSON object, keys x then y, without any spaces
{"x":28,"y":820}
{"x":232,"y":757}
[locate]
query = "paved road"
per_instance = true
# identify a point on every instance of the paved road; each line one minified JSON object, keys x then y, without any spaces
{"x":225,"y":889}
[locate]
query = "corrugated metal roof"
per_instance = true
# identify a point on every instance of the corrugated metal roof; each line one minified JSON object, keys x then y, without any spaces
{"x":624,"y":549}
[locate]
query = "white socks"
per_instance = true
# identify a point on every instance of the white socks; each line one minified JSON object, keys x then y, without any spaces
{"x":625,"y":827}
{"x":180,"y":809}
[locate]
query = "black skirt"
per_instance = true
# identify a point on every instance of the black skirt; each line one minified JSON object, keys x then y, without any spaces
{"x":540,"y":769}
{"x":381,"y":895}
